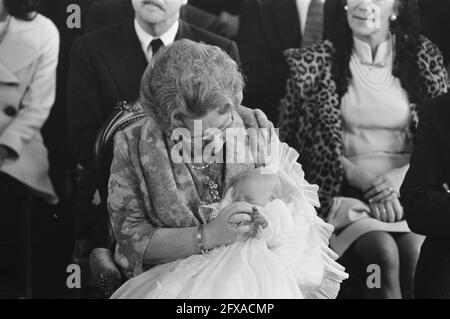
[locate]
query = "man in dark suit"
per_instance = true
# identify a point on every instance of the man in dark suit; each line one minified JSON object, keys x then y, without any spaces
{"x":106,"y":67}
{"x":108,"y":12}
{"x":267,"y":28}
{"x":426,"y":199}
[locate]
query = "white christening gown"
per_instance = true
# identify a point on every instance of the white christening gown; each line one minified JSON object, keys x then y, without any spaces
{"x":289,"y":259}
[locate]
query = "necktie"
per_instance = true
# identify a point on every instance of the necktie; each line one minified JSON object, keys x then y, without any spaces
{"x":314,"y":24}
{"x":155,"y":45}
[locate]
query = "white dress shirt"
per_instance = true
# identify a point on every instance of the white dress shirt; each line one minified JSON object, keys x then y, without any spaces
{"x":303,"y":7}
{"x":167,"y":37}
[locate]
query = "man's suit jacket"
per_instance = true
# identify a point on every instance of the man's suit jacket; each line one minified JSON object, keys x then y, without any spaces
{"x":28,"y":60}
{"x":106,"y":67}
{"x":426,"y":202}
{"x":267,"y":28}
{"x":104,"y":13}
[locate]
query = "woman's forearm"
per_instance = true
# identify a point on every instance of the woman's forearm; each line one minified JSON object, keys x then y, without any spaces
{"x":169,"y":244}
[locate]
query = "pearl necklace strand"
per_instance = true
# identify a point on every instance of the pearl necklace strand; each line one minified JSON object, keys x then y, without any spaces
{"x":201,"y":167}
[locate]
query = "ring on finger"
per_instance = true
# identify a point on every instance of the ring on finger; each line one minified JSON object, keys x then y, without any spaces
{"x":383,"y":214}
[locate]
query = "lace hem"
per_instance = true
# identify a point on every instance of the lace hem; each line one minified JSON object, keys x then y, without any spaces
{"x":334,"y":273}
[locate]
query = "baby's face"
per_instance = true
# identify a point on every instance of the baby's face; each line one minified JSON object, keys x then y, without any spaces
{"x":257,"y":189}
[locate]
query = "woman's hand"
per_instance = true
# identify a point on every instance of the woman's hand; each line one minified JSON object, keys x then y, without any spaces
{"x":259,"y":131}
{"x":390,"y":211}
{"x":385,"y":187}
{"x":254,"y":118}
{"x":232,"y":221}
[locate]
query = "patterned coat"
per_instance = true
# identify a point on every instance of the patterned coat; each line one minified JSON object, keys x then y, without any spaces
{"x":148,"y":191}
{"x":310,"y":116}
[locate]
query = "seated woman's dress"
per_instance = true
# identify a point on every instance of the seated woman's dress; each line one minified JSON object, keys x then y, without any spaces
{"x":288,"y":259}
{"x":376,"y":138}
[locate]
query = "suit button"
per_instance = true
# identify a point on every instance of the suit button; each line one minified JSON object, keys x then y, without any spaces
{"x":10,"y":111}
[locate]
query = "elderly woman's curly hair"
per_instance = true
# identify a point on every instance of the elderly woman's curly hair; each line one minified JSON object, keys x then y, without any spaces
{"x":406,"y":30}
{"x":22,"y":9}
{"x":189,"y":79}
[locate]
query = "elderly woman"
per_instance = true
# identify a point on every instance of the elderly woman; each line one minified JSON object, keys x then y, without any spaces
{"x":153,"y":201}
{"x":351,"y":109}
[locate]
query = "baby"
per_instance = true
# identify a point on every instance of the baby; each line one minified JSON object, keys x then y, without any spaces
{"x":272,"y":218}
{"x":258,"y":189}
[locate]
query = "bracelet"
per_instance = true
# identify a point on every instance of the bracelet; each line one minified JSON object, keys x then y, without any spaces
{"x":200,"y":241}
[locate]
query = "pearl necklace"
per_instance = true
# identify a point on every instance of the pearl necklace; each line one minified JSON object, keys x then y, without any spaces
{"x":201,"y":167}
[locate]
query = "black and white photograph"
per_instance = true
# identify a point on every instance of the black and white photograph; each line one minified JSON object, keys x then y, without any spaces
{"x":227,"y":155}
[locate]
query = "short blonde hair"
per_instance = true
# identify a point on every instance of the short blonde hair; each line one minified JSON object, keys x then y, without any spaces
{"x":187,"y":80}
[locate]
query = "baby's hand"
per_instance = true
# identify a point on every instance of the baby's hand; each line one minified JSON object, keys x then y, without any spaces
{"x":258,"y":223}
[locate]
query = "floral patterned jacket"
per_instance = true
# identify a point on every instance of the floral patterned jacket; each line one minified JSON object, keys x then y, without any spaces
{"x":148,"y":191}
{"x":310,"y":117}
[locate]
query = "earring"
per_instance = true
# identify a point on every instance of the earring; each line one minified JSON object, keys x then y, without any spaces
{"x":393,"y":17}
{"x":346,"y":8}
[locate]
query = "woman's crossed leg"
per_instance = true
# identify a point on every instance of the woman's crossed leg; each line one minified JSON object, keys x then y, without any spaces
{"x":397,"y":257}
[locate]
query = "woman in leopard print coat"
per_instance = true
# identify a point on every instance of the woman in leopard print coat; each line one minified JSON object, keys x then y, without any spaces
{"x":376,"y":66}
